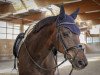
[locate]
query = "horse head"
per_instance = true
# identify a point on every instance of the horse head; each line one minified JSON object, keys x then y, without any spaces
{"x":68,"y":41}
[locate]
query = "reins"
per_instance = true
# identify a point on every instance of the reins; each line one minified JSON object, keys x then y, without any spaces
{"x":46,"y":68}
{"x":38,"y":64}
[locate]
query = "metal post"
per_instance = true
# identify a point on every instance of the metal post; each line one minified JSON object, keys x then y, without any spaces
{"x":99,"y":35}
{"x":13,"y":32}
{"x":21,"y":27}
{"x":92,"y":39}
{"x":6,"y":30}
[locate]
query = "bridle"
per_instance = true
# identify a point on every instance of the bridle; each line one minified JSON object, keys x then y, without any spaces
{"x":65,"y":52}
{"x":66,"y":49}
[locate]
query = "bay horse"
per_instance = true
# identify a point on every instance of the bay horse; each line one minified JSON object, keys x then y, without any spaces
{"x":35,"y":56}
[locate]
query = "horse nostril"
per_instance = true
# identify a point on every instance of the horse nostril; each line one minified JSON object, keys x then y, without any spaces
{"x":80,"y":46}
{"x":86,"y":64}
{"x":80,"y":62}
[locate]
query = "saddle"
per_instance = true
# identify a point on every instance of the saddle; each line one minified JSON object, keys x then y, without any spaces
{"x":17,"y":44}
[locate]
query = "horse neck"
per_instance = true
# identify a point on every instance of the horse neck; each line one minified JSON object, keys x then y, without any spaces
{"x":40,"y":43}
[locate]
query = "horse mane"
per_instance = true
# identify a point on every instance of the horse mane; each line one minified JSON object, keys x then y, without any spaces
{"x":43,"y":23}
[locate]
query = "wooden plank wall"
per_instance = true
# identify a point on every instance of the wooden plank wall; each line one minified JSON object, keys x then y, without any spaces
{"x":6,"y":46}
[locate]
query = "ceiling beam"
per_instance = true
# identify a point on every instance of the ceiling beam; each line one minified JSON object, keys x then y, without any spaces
{"x":29,"y":17}
{"x":89,"y":16}
{"x":24,"y":18}
{"x":83,"y":28}
{"x":16,"y":20}
{"x":96,"y":22}
{"x":24,"y":4}
{"x":93,"y":35}
{"x":84,"y":5}
{"x":43,"y":3}
{"x":20,"y":21}
{"x":4,"y":2}
{"x":6,"y":8}
{"x":96,"y":1}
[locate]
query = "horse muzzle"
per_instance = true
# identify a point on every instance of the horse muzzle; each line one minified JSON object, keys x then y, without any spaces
{"x":80,"y":64}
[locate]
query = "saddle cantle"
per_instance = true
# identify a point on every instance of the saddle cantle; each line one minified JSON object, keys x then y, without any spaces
{"x":17,"y":44}
{"x":16,"y":47}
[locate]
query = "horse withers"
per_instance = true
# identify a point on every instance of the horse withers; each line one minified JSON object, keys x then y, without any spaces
{"x":35,"y":54}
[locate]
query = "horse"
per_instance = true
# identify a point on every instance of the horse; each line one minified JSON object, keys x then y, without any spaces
{"x":35,"y":56}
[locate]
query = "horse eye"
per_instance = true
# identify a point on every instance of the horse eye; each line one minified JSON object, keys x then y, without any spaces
{"x":65,"y":34}
{"x":69,"y":32}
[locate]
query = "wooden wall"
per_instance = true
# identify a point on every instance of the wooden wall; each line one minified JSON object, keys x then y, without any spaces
{"x":92,"y":47}
{"x":6,"y":46}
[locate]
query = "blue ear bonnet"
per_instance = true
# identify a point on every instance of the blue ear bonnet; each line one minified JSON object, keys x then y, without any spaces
{"x":68,"y":22}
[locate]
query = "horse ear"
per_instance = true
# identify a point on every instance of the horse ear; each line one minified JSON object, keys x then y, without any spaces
{"x":74,"y":14}
{"x":62,"y":12}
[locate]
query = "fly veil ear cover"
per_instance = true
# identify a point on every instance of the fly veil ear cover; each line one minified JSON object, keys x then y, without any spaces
{"x":68,"y":20}
{"x":62,"y":16}
{"x":75,"y":13}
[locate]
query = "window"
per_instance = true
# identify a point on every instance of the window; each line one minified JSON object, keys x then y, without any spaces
{"x":9,"y":30}
{"x":2,"y":36}
{"x":14,"y":36}
{"x":9,"y":36}
{"x":89,"y":39}
{"x":16,"y":30}
{"x":2,"y":30}
{"x":25,"y":27}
